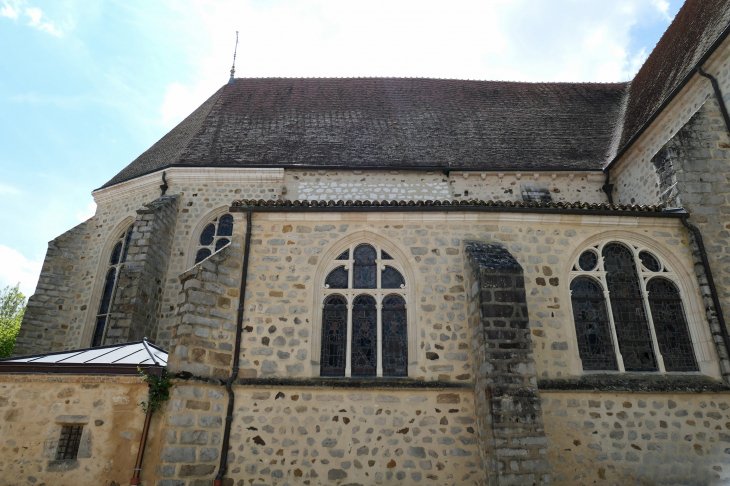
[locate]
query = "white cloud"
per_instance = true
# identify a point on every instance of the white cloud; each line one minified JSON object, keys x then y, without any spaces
{"x":5,"y":189}
{"x":36,"y":15}
{"x":16,"y":268}
{"x":10,"y":11}
{"x":90,"y":211}
{"x":524,"y":40}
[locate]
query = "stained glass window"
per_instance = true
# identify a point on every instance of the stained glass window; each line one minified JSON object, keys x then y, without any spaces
{"x":337,"y":279}
{"x":364,"y":336}
{"x":377,"y":339}
{"x":627,"y":305}
{"x":588,"y":260}
{"x":214,"y":237}
{"x":225,"y":225}
{"x":670,"y":326}
{"x":649,"y":261}
{"x":116,"y":259}
{"x":391,"y":278}
{"x":221,"y":243}
{"x":641,"y":337}
{"x":116,"y":254}
{"x":69,"y":442}
{"x":592,"y":327}
{"x":365,"y":275}
{"x":395,"y":336}
{"x":334,"y":336}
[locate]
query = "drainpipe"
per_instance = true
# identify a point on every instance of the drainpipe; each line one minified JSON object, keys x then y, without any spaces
{"x":236,"y":355}
{"x":607,"y":186}
{"x":718,"y":95}
{"x":148,"y":417}
{"x":710,"y":281}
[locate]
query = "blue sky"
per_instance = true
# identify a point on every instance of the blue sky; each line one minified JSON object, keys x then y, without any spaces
{"x":85,"y":87}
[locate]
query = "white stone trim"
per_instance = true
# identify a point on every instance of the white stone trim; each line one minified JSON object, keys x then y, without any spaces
{"x":188,"y":175}
{"x":400,"y":262}
{"x":678,"y":272}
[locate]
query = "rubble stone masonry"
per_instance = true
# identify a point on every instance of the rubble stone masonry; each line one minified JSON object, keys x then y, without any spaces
{"x":136,"y":304}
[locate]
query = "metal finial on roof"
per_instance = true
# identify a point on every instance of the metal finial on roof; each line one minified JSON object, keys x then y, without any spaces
{"x":233,"y":67}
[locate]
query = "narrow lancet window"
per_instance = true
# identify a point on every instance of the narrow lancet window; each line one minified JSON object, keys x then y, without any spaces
{"x":670,"y":325}
{"x":592,"y":327}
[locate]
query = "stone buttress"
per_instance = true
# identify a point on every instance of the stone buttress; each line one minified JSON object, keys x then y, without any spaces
{"x":136,"y":305}
{"x":509,"y":413}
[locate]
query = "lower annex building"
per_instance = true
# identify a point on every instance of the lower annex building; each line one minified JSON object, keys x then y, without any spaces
{"x":399,"y":281}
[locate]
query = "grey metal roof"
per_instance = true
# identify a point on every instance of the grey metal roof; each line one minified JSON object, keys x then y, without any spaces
{"x":118,"y":358}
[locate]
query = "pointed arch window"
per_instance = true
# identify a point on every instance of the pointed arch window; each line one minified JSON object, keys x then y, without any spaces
{"x":628,"y":312}
{"x":116,"y":261}
{"x":364,"y":318}
{"x":214,"y":236}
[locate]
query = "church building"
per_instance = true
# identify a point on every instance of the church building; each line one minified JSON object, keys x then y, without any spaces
{"x":374,"y":281}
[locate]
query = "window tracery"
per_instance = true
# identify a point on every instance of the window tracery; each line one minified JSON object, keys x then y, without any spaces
{"x":214,"y":236}
{"x":116,"y":260}
{"x":364,"y":321}
{"x":628,"y":312}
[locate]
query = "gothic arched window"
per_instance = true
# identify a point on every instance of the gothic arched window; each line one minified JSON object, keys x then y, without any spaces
{"x":214,"y":236}
{"x":364,"y":323}
{"x":116,"y":260}
{"x":628,"y":314}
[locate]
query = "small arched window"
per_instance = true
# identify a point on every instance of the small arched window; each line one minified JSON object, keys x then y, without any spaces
{"x":116,"y":261}
{"x":628,"y":313}
{"x":364,"y":323}
{"x":214,"y":236}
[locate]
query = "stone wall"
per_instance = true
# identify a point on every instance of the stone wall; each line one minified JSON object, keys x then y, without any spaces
{"x":203,"y":339}
{"x":33,"y":408}
{"x":135,"y":308}
{"x":638,"y":438}
{"x":511,"y":432}
{"x":320,"y":435}
{"x":694,"y":172}
{"x":49,"y":315}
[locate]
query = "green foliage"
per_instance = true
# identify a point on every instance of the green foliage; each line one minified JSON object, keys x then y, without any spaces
{"x":159,"y":391}
{"x":12,"y":308}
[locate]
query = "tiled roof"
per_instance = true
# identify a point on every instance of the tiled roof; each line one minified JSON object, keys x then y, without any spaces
{"x":393,"y":122}
{"x":446,"y":124}
{"x":446,"y":204}
{"x":696,"y":27}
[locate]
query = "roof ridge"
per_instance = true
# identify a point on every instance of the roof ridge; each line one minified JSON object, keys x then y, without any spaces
{"x":262,"y":78}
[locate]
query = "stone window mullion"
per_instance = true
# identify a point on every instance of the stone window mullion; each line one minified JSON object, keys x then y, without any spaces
{"x":348,"y":353}
{"x":650,"y":318}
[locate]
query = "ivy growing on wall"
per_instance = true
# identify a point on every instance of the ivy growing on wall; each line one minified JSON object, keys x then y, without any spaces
{"x":159,"y":391}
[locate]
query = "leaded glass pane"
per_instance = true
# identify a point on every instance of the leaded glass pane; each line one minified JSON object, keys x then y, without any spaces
{"x":395,"y":337}
{"x":221,"y":243}
{"x":99,"y":331}
{"x":670,"y":325}
{"x":334,"y":336}
{"x":385,"y":256}
{"x":364,"y":336}
{"x":649,"y":261}
{"x":588,"y":261}
{"x":116,"y":254}
{"x":106,"y":296}
{"x":225,"y":225}
{"x":202,"y":255}
{"x":627,"y":305}
{"x":206,"y":237}
{"x":391,"y":279}
{"x":126,"y":244}
{"x":365,"y":270}
{"x":337,"y":279}
{"x":344,"y":256}
{"x":592,"y":327}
